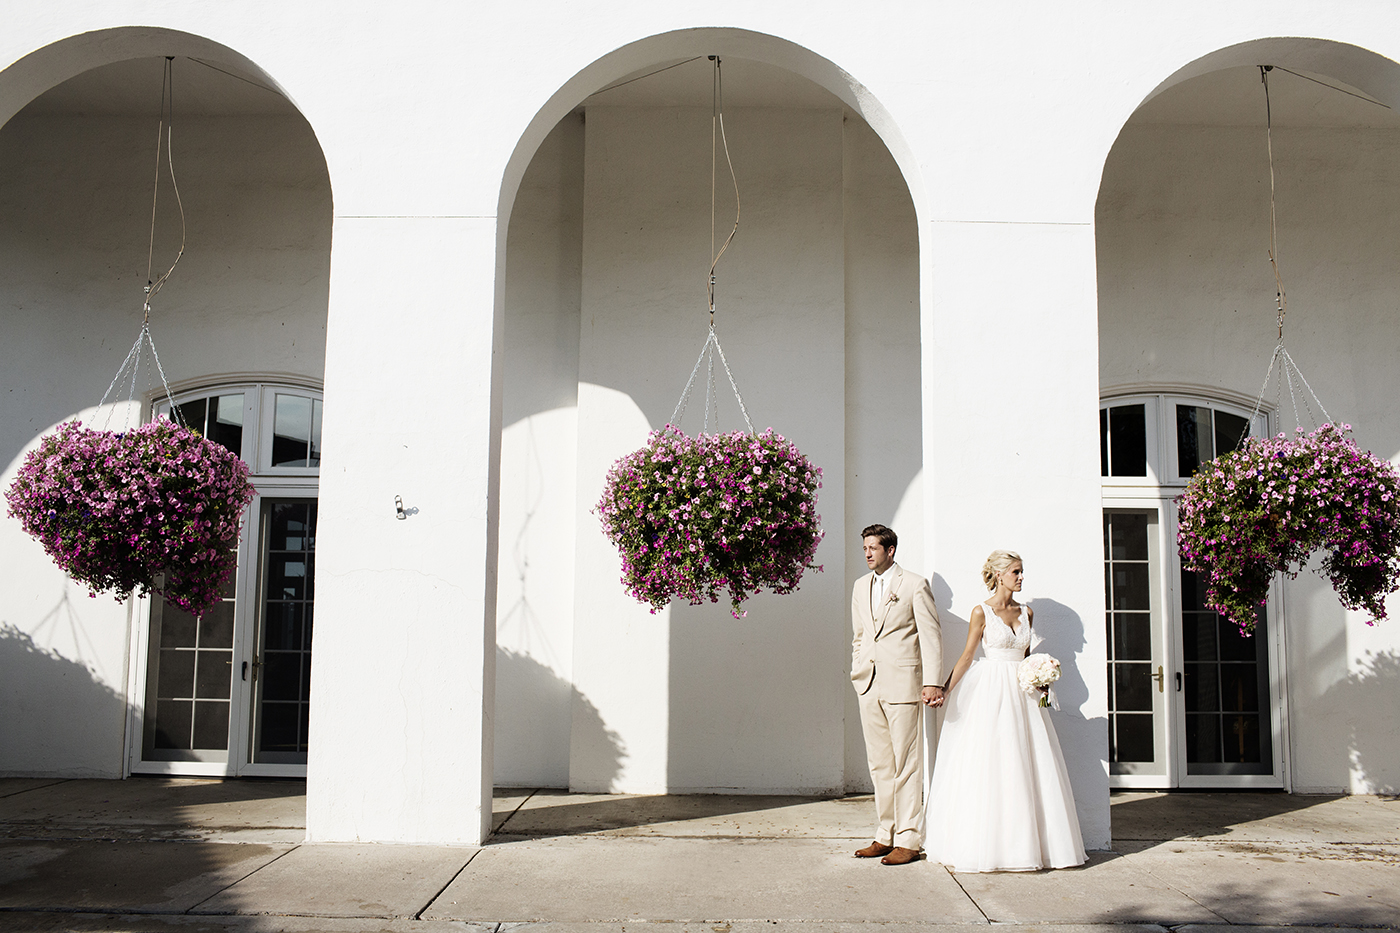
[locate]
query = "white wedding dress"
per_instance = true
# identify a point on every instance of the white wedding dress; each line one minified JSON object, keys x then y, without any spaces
{"x":999,"y":798}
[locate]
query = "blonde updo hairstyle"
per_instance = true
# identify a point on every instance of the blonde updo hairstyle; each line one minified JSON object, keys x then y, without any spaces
{"x":996,"y":564}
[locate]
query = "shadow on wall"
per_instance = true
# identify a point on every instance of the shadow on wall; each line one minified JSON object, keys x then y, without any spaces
{"x":52,"y":706}
{"x":1372,"y":693}
{"x":537,"y":738}
{"x":1061,"y":631}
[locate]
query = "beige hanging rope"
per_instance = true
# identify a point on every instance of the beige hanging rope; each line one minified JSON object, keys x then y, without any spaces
{"x":1281,"y":360}
{"x":1273,"y":212}
{"x":132,"y":363}
{"x":712,"y":347}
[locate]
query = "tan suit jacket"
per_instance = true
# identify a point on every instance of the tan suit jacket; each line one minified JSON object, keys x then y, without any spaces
{"x":897,"y":650}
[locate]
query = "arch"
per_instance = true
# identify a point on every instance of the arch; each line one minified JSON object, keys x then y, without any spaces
{"x":1361,"y":68}
{"x":686,"y":43}
{"x":646,"y":756}
{"x":1186,"y":310}
{"x":44,"y":68}
{"x":70,"y":202}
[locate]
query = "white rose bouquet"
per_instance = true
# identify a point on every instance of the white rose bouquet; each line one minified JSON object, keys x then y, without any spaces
{"x":1036,"y":674}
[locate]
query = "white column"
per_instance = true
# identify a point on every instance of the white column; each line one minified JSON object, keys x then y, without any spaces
{"x":402,"y":684}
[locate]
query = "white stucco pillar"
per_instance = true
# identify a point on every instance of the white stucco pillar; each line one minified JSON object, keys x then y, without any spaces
{"x":404,"y":637}
{"x":1010,"y":439}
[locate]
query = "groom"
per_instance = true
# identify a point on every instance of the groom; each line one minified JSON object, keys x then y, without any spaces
{"x":896,"y":667}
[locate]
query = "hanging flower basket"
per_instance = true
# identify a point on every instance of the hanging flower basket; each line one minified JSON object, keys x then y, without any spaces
{"x":694,"y":516}
{"x":1266,"y":507}
{"x":116,"y":511}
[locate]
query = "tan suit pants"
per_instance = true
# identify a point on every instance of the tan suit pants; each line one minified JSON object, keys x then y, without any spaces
{"x":896,"y":768}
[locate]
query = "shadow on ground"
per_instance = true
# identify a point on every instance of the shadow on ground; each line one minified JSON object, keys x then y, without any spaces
{"x":147,"y":807}
{"x":559,"y":813}
{"x":1157,"y":817}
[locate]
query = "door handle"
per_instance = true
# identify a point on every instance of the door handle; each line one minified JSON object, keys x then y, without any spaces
{"x":1178,"y":681}
{"x":245,"y":670}
{"x":1160,"y":678}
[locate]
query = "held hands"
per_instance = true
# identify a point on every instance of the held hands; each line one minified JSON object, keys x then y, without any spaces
{"x":932,"y":696}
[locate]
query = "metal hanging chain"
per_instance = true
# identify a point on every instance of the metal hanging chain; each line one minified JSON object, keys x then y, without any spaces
{"x":712,"y":348}
{"x":132,"y":364}
{"x":1287,"y":371}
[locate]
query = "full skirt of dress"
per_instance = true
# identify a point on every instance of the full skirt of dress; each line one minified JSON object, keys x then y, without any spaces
{"x":999,"y":798}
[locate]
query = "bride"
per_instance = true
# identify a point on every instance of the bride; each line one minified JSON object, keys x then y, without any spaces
{"x":999,"y":798}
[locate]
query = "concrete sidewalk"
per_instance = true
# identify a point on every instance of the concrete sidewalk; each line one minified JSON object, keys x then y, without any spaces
{"x":169,"y":854}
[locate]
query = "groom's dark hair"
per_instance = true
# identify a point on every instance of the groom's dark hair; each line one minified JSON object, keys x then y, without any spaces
{"x":888,"y":539}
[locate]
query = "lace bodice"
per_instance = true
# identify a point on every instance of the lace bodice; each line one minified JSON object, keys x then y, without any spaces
{"x":998,"y":635}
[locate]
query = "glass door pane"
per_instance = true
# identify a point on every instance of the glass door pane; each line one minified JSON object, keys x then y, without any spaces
{"x":189,"y":678}
{"x":283,"y":659}
{"x":1136,"y":699}
{"x":1225,"y":694}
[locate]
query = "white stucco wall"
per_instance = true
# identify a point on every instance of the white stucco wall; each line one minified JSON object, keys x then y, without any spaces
{"x":1000,"y":116}
{"x":699,"y":700}
{"x":248,"y":297}
{"x":539,"y":448}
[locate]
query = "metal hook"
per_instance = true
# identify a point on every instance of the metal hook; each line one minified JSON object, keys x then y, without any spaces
{"x":399,"y":513}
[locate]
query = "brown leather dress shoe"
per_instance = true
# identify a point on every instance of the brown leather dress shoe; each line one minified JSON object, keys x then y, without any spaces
{"x":874,"y":850}
{"x":900,"y":856}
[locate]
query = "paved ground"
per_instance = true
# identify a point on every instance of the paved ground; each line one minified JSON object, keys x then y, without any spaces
{"x":191,"y":855}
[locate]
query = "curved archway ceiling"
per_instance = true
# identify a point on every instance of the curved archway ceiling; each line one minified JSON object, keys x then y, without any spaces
{"x":1235,"y":97}
{"x":132,"y":87}
{"x":747,"y":83}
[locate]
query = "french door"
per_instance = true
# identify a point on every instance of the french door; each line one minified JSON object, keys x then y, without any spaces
{"x":228,"y":693}
{"x":1192,"y":703}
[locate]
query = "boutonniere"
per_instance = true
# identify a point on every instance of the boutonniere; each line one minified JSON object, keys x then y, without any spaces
{"x":893,"y":598}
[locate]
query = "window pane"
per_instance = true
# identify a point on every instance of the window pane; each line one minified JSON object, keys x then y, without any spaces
{"x":282,"y":626}
{"x":290,"y":528}
{"x":173,"y":718}
{"x":1133,"y":687}
{"x":1193,"y":436}
{"x":216,"y":626}
{"x":1198,"y":630}
{"x":226,"y":422}
{"x":211,"y":725}
{"x":213,"y":673}
{"x":1132,"y":636}
{"x":286,"y":576}
{"x":291,"y":430}
{"x":281,"y":675}
{"x":177,"y":627}
{"x":1103,"y":441}
{"x":1127,"y":440}
{"x":279,"y":727}
{"x":1230,"y":430}
{"x":1128,"y":538}
{"x":1239,"y":688}
{"x":1134,"y":737}
{"x":1237,"y":647}
{"x":192,"y":414}
{"x":1203,"y":738}
{"x":315,"y":459}
{"x":176,"y":676}
{"x":1130,"y":587}
{"x":1241,"y":734}
{"x":1193,"y":591}
{"x":1202,"y":687}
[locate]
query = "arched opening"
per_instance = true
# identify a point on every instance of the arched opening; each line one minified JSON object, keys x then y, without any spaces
{"x":242,"y":316}
{"x":1187,"y":323}
{"x":604,"y":258}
